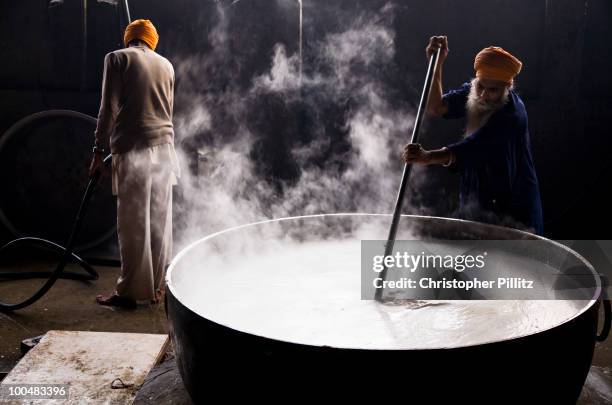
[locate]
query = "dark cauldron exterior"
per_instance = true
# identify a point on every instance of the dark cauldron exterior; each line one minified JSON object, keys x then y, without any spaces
{"x":547,"y":367}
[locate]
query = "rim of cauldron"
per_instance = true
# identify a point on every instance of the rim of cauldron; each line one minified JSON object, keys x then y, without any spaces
{"x":524,"y":234}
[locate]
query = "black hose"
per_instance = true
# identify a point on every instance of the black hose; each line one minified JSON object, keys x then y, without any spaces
{"x":67,"y":254}
{"x":51,"y":246}
{"x":20,"y":125}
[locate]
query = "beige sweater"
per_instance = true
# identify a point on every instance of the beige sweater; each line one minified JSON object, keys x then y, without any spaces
{"x":137,"y":100}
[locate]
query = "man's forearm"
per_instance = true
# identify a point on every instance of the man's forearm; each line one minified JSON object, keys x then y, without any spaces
{"x":436,"y":103}
{"x":442,"y":156}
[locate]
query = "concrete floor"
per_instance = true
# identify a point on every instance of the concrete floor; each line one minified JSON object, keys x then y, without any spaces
{"x":70,"y":305}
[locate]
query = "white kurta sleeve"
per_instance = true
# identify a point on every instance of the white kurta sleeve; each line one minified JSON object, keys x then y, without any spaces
{"x":109,"y":104}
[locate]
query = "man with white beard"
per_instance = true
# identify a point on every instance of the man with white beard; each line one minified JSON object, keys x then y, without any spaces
{"x":498,"y":179}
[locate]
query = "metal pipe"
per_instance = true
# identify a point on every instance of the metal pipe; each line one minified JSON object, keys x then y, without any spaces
{"x":126,"y":11}
{"x":123,"y":18}
{"x":84,"y":51}
{"x":433,"y":62}
{"x":301,"y":39}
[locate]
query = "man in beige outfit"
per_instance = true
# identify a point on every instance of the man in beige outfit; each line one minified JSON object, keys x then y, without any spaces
{"x":135,"y":121}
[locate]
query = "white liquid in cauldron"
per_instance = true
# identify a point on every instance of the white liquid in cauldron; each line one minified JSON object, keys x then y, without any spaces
{"x":310,"y":293}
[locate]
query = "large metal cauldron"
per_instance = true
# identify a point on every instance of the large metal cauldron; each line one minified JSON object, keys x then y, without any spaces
{"x":218,"y":359}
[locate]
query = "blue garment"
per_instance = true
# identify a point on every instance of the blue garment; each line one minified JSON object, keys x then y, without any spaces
{"x":498,"y":178}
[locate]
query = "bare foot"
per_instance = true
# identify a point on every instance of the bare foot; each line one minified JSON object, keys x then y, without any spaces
{"x":159,"y":296}
{"x":116,"y":301}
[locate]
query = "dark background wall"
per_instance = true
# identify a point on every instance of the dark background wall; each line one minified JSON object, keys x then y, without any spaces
{"x":563,"y":44}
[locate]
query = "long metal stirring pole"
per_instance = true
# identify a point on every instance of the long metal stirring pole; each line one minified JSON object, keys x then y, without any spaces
{"x":433,"y":62}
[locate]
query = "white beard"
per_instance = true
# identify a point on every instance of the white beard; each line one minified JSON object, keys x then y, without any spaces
{"x":479,"y":112}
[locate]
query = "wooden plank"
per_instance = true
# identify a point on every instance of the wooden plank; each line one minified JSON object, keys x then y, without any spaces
{"x":89,"y":362}
{"x":162,"y":352}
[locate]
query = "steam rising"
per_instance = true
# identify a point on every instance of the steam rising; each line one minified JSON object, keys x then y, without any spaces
{"x":324,"y":139}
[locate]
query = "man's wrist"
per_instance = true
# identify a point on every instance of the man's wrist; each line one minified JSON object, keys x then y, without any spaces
{"x":450,"y":159}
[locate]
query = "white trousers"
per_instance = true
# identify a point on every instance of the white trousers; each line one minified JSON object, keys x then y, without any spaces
{"x":142,"y":181}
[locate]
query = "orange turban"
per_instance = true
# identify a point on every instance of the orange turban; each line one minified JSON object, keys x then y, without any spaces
{"x":143,"y":30}
{"x":497,"y":64}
